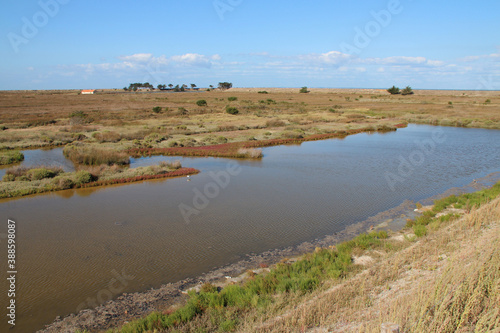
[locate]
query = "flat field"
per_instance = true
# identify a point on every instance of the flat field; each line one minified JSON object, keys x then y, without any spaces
{"x":125,"y":120}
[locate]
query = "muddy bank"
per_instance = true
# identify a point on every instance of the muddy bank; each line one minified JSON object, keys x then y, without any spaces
{"x":134,"y":305}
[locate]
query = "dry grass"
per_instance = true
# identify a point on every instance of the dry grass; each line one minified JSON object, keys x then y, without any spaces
{"x":20,"y":181}
{"x":448,"y":281}
{"x":250,"y":152}
{"x":45,"y":118}
{"x":92,"y":155}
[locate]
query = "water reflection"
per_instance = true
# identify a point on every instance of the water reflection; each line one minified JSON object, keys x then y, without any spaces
{"x":42,"y":157}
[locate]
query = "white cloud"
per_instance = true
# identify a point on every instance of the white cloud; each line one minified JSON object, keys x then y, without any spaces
{"x":138,"y":57}
{"x":194,"y":59}
{"x":329,"y":58}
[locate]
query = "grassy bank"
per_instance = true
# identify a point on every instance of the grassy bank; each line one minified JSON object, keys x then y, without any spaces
{"x":410,"y":278}
{"x":10,"y":157}
{"x":248,"y":149}
{"x":20,"y":181}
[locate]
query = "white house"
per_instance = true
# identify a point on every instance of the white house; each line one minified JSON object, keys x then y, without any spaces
{"x":88,"y":92}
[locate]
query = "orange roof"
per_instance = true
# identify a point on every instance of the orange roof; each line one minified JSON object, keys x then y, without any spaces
{"x":88,"y":90}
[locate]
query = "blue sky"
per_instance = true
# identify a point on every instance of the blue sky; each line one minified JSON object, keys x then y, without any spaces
{"x":69,"y":44}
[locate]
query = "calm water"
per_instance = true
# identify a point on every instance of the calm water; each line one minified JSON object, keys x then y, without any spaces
{"x":36,"y":157}
{"x":73,"y":243}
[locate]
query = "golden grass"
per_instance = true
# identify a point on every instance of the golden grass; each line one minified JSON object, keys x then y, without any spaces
{"x":126,"y":120}
{"x":448,"y":281}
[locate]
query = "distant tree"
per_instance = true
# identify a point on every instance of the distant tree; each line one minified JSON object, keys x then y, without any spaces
{"x":211,"y":86}
{"x":304,"y":90}
{"x":170,"y":85}
{"x":134,"y":89}
{"x":161,"y":86}
{"x":225,"y":85}
{"x":393,"y":90}
{"x":177,"y":89}
{"x":125,"y":88}
{"x":193,"y":85}
{"x":183,"y":87}
{"x":407,"y":91}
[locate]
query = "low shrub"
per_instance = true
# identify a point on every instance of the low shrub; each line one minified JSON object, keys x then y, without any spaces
{"x":79,"y":118}
{"x":275,"y":123}
{"x":201,"y":102}
{"x":9,"y":157}
{"x":63,"y":182}
{"x":291,"y":135}
{"x":250,"y":152}
{"x":232,"y":110}
{"x":107,"y":136}
{"x":8,"y":178}
{"x":232,"y":99}
{"x":157,"y":109}
{"x":82,"y":177}
{"x":419,"y":230}
{"x":95,"y":156}
{"x":34,"y":173}
{"x":40,"y":173}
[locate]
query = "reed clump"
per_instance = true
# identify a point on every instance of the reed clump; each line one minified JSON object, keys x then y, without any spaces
{"x":90,"y":155}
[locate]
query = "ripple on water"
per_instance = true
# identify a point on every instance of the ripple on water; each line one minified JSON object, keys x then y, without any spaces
{"x":72,"y":246}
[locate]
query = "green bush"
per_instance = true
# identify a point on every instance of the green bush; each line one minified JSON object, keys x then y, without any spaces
{"x":63,"y":182}
{"x":82,"y":177}
{"x":393,"y":90}
{"x":95,"y":156}
{"x":9,"y":157}
{"x":407,"y":91}
{"x":232,"y":99}
{"x":201,"y":102}
{"x":41,"y":173}
{"x":303,"y":90}
{"x":157,"y":109}
{"x":232,"y":110}
{"x":8,"y":178}
{"x":262,"y":92}
{"x":419,"y":230}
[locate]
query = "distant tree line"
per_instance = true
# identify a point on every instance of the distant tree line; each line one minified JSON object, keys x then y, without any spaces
{"x":176,"y":88}
{"x":395,"y":91}
{"x":135,"y":86}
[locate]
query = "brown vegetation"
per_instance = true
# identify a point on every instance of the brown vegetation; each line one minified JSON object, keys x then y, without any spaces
{"x":126,"y":119}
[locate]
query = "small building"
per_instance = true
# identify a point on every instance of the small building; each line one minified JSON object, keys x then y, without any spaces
{"x":88,"y":92}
